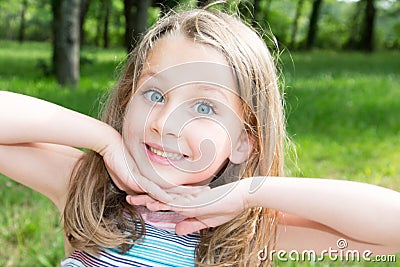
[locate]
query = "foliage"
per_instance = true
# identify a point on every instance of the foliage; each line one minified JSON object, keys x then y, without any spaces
{"x":117,"y":23}
{"x":38,"y":16}
{"x":335,"y":25}
{"x":343,"y":114}
{"x":342,"y":111}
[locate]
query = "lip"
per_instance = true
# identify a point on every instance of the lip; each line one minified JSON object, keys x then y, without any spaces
{"x":160,"y":159}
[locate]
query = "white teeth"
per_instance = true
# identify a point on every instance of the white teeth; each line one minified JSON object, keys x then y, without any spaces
{"x":173,"y":156}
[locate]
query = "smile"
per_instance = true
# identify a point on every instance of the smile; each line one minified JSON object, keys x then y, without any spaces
{"x":168,"y":155}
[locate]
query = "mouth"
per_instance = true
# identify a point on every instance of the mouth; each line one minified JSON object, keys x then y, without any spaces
{"x":165,"y":154}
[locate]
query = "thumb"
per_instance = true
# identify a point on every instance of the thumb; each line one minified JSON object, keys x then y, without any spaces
{"x":189,"y":226}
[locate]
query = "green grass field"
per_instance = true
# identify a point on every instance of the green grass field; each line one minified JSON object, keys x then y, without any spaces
{"x":342,"y":111}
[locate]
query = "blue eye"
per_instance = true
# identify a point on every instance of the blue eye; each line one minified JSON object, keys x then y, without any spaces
{"x":204,"y":108}
{"x":154,"y":96}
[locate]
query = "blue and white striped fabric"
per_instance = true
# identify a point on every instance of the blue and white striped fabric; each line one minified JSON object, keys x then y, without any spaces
{"x":159,"y":247}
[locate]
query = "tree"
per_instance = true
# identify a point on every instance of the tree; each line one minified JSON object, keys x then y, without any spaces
{"x":82,"y":16}
{"x":362,"y":27}
{"x":56,"y":24}
{"x":296,"y":23}
{"x":99,"y":22}
{"x":107,"y":8}
{"x":367,"y":34}
{"x":129,"y":24}
{"x":313,"y":24}
{"x":165,"y":5}
{"x":66,"y":41}
{"x":136,"y":15}
{"x":21,"y":33}
{"x":256,"y":11}
{"x":103,"y":21}
{"x":202,"y":3}
{"x":354,"y":39}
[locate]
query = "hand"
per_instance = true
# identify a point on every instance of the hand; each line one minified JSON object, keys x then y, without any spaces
{"x":126,"y":176}
{"x":205,"y":209}
{"x":124,"y":172}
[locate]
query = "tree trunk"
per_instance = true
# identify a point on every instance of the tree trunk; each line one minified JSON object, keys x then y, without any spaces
{"x":256,"y":11}
{"x":353,"y":41}
{"x":141,"y":17}
{"x":82,"y":17}
{"x":106,"y":23}
{"x":201,"y":3}
{"x":67,"y":60}
{"x":367,"y":35}
{"x":56,"y":24}
{"x":165,"y":5}
{"x":313,"y":24}
{"x":99,"y":22}
{"x":136,"y":21}
{"x":21,"y":34}
{"x":129,"y":24}
{"x":295,"y":24}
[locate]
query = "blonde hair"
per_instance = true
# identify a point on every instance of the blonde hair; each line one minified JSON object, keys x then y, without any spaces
{"x":94,"y":216}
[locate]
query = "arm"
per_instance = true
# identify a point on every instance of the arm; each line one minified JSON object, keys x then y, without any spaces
{"x":38,"y":140}
{"x":26,"y":119}
{"x":314,"y":212}
{"x":363,"y":212}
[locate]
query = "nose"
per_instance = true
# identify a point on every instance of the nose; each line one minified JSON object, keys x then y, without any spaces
{"x":166,"y":120}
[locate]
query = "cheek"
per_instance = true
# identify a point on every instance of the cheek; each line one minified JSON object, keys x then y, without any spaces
{"x":209,"y":141}
{"x":135,"y":120}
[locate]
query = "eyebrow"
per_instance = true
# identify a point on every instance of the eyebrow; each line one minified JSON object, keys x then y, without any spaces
{"x":148,"y":73}
{"x":210,"y":87}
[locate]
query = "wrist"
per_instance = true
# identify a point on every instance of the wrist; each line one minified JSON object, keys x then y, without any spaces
{"x":253,"y":189}
{"x":109,"y":137}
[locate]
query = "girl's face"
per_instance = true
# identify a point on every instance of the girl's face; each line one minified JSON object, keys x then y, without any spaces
{"x":183,"y":123}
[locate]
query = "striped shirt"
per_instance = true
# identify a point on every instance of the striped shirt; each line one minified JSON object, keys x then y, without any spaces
{"x":159,"y":247}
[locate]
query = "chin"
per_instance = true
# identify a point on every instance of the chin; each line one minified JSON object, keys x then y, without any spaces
{"x":200,"y":182}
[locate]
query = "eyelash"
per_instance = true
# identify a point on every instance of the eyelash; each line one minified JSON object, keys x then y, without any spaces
{"x":208,"y":103}
{"x":198,"y":102}
{"x":152,"y":90}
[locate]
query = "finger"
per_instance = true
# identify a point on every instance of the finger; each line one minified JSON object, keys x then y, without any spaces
{"x":188,"y":189}
{"x":139,"y":200}
{"x":189,"y":226}
{"x":152,"y":189}
{"x":157,"y":193}
{"x":158,"y":206}
{"x":187,"y":212}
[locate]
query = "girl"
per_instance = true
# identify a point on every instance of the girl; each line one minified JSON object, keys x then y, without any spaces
{"x":198,"y":103}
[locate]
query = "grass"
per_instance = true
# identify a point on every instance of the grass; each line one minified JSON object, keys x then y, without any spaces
{"x":29,"y":223}
{"x":343,"y":117}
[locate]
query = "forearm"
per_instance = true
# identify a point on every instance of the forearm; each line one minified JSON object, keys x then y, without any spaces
{"x":26,"y":119}
{"x":364,"y":212}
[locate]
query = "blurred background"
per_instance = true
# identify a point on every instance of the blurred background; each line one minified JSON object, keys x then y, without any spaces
{"x":340,"y":71}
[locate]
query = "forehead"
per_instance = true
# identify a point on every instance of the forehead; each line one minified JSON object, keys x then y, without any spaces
{"x":179,"y":61}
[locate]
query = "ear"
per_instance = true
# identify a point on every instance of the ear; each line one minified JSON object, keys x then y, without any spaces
{"x":243,"y":149}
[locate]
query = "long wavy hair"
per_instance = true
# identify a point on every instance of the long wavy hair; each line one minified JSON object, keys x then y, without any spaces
{"x":95,"y":215}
